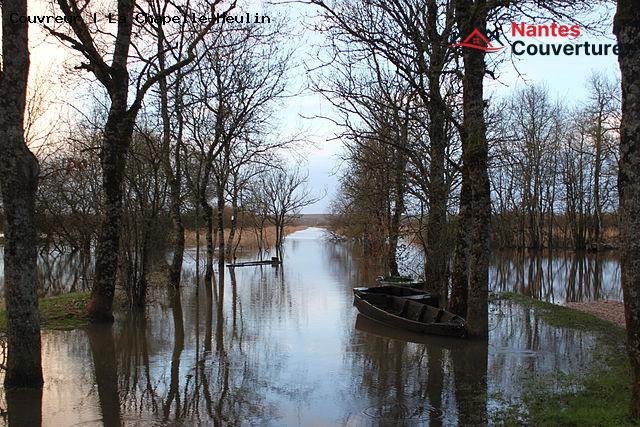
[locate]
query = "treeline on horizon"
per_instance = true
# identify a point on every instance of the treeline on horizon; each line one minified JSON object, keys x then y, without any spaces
{"x":552,"y":168}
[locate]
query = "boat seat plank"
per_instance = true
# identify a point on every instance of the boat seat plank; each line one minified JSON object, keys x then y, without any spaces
{"x":403,"y":308}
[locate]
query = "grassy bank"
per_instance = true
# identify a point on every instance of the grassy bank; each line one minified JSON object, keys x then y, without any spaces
{"x":598,"y":396}
{"x":62,"y":312}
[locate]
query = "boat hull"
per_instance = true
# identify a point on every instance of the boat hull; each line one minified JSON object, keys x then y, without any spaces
{"x":414,"y":315}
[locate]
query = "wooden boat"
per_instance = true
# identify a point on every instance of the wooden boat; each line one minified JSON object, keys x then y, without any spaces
{"x":408,"y":309}
{"x":273,"y":261}
{"x":401,"y":281}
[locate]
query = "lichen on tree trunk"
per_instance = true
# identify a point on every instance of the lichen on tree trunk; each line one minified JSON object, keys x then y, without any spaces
{"x":18,"y":184}
{"x":473,"y":15}
{"x":627,"y":30}
{"x":115,"y":145}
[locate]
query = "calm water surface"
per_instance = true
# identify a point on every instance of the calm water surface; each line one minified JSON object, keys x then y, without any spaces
{"x":285,"y":346}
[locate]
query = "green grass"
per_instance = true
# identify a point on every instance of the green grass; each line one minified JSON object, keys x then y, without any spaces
{"x":599,"y":396}
{"x":63,"y":312}
{"x":563,"y":317}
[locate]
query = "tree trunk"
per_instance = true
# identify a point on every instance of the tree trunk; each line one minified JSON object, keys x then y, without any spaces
{"x":436,"y":257}
{"x":597,"y":171}
{"x":178,"y":233}
{"x":234,"y":218}
{"x":24,"y":407}
{"x":627,"y":30}
{"x":459,"y":276}
{"x":396,"y":215}
{"x":174,"y":176}
{"x":173,"y":172}
{"x":220,"y":221}
{"x":18,"y":183}
{"x":208,"y":215}
{"x":115,"y":144}
{"x":279,"y":225}
{"x":114,"y":147}
{"x":437,"y":246}
{"x":472,"y":15}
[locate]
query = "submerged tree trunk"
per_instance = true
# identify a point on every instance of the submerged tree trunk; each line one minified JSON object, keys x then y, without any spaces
{"x":234,"y":218}
{"x":174,"y":177}
{"x":396,"y":214}
{"x":597,"y":171}
{"x":459,"y":276}
{"x":175,"y":209}
{"x":436,"y":269}
{"x":208,"y":216}
{"x":18,"y":182}
{"x":220,"y":225}
{"x":437,"y":248}
{"x":394,"y":237}
{"x":473,"y":15}
{"x":627,"y":30}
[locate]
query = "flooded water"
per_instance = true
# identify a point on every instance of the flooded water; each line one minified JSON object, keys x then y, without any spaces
{"x":284,"y":346}
{"x":557,"y":277}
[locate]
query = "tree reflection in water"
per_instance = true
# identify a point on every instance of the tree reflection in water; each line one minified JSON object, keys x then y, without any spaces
{"x":557,"y":276}
{"x":103,"y":351}
{"x":285,"y":347}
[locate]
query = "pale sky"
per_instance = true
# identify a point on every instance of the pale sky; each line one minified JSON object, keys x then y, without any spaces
{"x":565,"y":77}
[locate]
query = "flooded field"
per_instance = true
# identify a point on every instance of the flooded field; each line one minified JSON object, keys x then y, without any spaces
{"x":284,"y":346}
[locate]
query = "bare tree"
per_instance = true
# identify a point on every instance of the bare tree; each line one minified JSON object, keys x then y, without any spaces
{"x":112,"y":70}
{"x":473,"y":263}
{"x":409,"y":40}
{"x":472,"y":15}
{"x":241,"y":75}
{"x":601,"y":110}
{"x":285,"y":193}
{"x":18,"y":182}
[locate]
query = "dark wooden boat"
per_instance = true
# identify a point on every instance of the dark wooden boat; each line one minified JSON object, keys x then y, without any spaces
{"x":408,"y":309}
{"x":273,"y":261}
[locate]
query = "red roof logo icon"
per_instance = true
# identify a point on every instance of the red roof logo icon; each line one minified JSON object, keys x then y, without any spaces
{"x":477,"y":40}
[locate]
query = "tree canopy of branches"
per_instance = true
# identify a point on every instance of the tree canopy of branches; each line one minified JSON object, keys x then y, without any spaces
{"x":284,"y":193}
{"x":112,"y":69}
